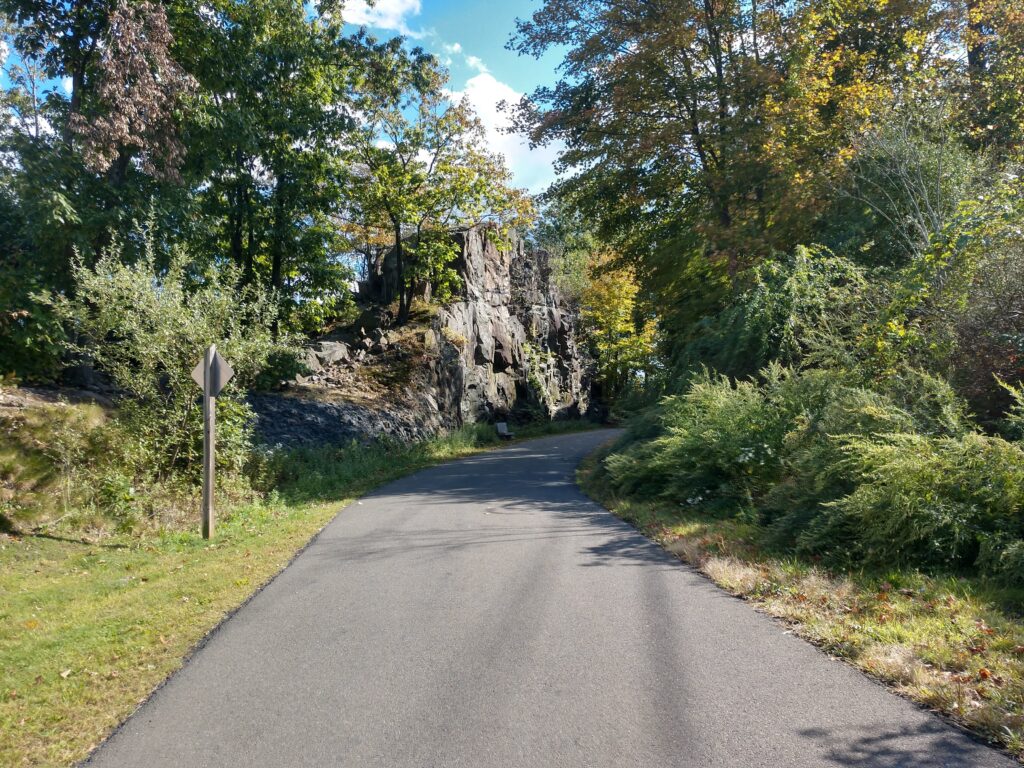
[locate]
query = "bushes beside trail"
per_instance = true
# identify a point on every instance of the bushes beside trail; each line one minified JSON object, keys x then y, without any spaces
{"x":837,"y":469}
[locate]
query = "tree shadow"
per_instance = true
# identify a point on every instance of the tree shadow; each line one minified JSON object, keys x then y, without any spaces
{"x":931,"y":744}
{"x":524,"y":492}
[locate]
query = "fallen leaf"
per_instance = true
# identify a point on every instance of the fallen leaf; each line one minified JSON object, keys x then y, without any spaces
{"x":66,"y":674}
{"x":984,"y":673}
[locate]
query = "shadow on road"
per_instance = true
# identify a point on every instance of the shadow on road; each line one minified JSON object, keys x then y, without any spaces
{"x":518,"y":494}
{"x":900,"y":747}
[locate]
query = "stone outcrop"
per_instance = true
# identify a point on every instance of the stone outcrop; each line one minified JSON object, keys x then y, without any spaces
{"x":517,"y":338}
{"x":507,"y":347}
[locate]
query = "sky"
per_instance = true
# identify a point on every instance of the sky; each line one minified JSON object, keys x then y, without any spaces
{"x":469,"y":37}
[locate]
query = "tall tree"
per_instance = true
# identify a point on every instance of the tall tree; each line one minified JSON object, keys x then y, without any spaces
{"x":420,"y":168}
{"x":275,"y":78}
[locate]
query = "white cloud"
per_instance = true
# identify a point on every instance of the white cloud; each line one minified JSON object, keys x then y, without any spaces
{"x":67,"y":84}
{"x":531,"y":168}
{"x":476,"y":63}
{"x":453,"y":48}
{"x":384,"y":14}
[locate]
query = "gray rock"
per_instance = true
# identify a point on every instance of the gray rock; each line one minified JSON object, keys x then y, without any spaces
{"x":331,"y":352}
{"x":508,"y":343}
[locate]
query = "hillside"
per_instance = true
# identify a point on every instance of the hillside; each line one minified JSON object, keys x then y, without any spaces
{"x":507,"y":346}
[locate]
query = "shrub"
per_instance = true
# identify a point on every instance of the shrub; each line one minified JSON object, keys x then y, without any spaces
{"x":815,"y":471}
{"x":147,"y":328}
{"x":835,"y":469}
{"x":926,"y":501}
{"x":720,"y":444}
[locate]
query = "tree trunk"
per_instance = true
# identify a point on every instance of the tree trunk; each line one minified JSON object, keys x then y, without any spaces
{"x":277,"y":241}
{"x":976,"y":54}
{"x":249,"y":275}
{"x":403,"y":297}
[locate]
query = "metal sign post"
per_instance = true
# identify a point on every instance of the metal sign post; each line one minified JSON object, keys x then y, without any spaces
{"x":212,"y":373}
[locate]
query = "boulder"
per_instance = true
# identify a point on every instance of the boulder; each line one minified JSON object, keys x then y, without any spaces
{"x":331,"y":352}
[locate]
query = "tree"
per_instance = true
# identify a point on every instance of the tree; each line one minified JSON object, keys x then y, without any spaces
{"x":707,"y":135}
{"x":622,"y":336}
{"x":275,"y":80}
{"x":420,"y":169}
{"x":139,"y":89}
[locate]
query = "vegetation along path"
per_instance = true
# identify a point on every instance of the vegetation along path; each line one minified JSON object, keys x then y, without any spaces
{"x":486,"y":613}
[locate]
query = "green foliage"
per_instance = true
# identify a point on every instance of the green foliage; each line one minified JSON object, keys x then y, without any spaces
{"x":905,"y":185}
{"x":31,"y":336}
{"x":940,"y":502}
{"x":836,"y":470}
{"x":720,"y":446}
{"x":146,"y":329}
{"x":570,"y":245}
{"x":788,"y":308}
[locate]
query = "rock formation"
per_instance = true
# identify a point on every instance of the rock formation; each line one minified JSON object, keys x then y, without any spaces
{"x":508,"y":346}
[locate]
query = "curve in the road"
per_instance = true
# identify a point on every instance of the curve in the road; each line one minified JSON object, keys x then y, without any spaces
{"x":485,"y":613}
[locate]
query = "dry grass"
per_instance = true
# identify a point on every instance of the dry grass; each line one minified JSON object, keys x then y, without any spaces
{"x":953,"y":645}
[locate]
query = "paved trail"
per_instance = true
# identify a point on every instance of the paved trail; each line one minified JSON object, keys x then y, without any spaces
{"x":486,"y":614}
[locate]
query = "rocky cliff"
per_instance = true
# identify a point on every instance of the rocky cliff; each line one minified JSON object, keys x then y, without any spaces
{"x":507,"y":347}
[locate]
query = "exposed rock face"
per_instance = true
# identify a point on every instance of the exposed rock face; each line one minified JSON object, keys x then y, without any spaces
{"x":521,"y":348}
{"x":508,"y":346}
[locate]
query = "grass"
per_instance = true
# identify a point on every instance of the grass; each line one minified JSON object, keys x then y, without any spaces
{"x":953,"y":645}
{"x":89,"y":626}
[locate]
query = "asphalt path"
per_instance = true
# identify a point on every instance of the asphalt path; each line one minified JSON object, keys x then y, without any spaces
{"x":484,"y":613}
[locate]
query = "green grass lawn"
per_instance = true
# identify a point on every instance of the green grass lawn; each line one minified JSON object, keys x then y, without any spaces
{"x":954,"y":645}
{"x":89,"y":627}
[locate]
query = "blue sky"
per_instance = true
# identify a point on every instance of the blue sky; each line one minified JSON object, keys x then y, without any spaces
{"x":469,"y":36}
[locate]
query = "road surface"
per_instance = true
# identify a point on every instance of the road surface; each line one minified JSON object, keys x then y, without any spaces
{"x":485,"y":614}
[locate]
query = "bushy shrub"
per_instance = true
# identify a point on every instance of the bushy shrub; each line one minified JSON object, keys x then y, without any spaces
{"x":147,"y":328}
{"x":720,"y":444}
{"x":815,"y":471}
{"x":835,"y":469}
{"x":925,"y":501}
